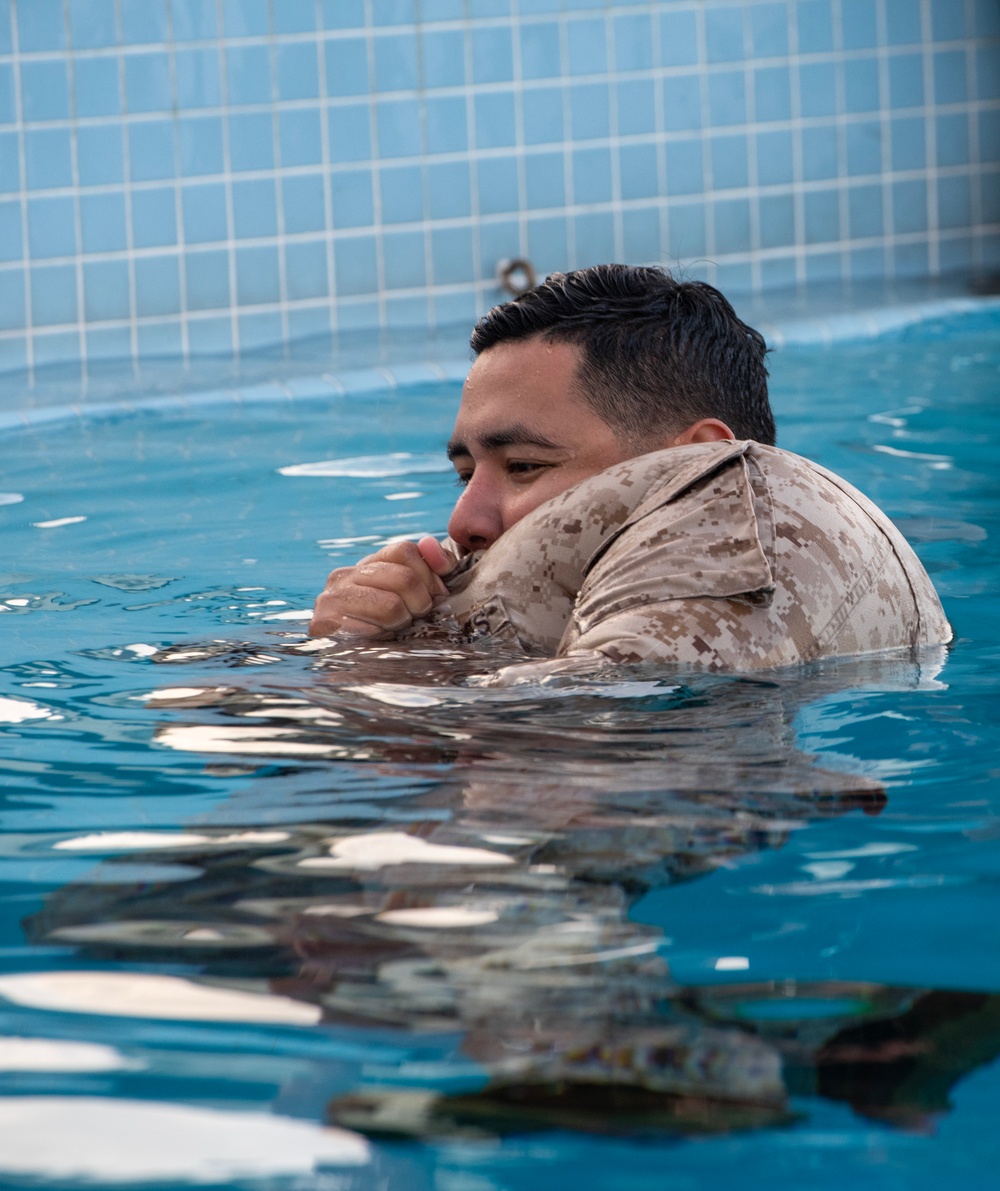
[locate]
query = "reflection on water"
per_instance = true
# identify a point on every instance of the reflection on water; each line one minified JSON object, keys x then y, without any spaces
{"x":423,"y":860}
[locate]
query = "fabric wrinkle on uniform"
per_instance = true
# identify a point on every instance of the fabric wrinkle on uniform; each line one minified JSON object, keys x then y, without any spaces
{"x":722,"y":556}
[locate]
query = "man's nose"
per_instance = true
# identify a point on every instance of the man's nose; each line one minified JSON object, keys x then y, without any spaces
{"x":476,"y":521}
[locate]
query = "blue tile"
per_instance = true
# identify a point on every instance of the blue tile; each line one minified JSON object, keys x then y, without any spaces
{"x":822,"y":216}
{"x":347,"y":67}
{"x":254,"y":208}
{"x":451,"y":253}
{"x":952,"y":139}
{"x":543,"y":116}
{"x":10,"y":166}
{"x":819,"y":153}
{"x":105,"y":291}
{"x":350,"y":133}
{"x":776,"y":219}
{"x":355,"y":265}
{"x":492,"y":55}
{"x":817,"y":89}
{"x":724,"y":35}
{"x":733,"y":277}
{"x":769,"y":30}
{"x":297,"y":71}
{"x":199,"y":80}
{"x":439,"y":10}
{"x":910,"y":260}
{"x":100,"y":154}
{"x":497,"y":242}
{"x":151,"y":150}
{"x":636,"y":107}
{"x":909,"y":206}
{"x":8,"y":102}
{"x":402,"y":190}
{"x":148,"y":87}
{"x":902,"y":22}
{"x":6,"y":34}
{"x":248,"y":74}
{"x":294,"y":16}
{"x":909,"y":143}
{"x":353,"y":204}
{"x":305,"y":271}
{"x":193,"y":20}
{"x":157,"y":285}
{"x":587,"y":49}
{"x":412,"y":310}
{"x":10,"y":230}
{"x":11,"y":300}
{"x":154,"y":218}
{"x":633,"y":42}
{"x":858,"y":23}
{"x":861,"y":85}
{"x":731,"y":221}
{"x":955,"y":255}
{"x":443,"y":56}
{"x":62,"y":347}
{"x":159,"y":340}
{"x":210,"y":336}
{"x":53,"y":295}
{"x":947,"y":20}
{"x":772,"y":94}
{"x":778,"y":273}
{"x":259,"y":331}
{"x":44,"y":90}
{"x":987,"y":18}
{"x":989,"y":136}
{"x":641,"y":235}
{"x":103,"y":222}
{"x":396,"y":62}
{"x":547,"y":243}
{"x":774,"y":158}
{"x":300,"y":135}
{"x":445,"y":124}
{"x":592,"y":176}
{"x":540,"y":51}
{"x":200,"y":139}
{"x":639,"y":171}
{"x":204,"y":213}
{"x":678,"y":38}
{"x":590,"y":111}
{"x":144,"y":22}
{"x":304,"y":202}
{"x":864,"y":148}
{"x":344,"y":13}
{"x":729,"y":162}
{"x":954,"y":198}
{"x":495,"y":125}
{"x":249,"y":18}
{"x":398,"y":127}
{"x":448,"y":189}
{"x":206,"y":278}
{"x":727,"y":98}
{"x":536,"y":7}
{"x":96,"y":87}
{"x":989,"y":199}
{"x":906,"y":80}
{"x":814,"y":22}
{"x":41,"y":26}
{"x":864,"y":212}
{"x":685,"y":168}
{"x":594,"y":233}
{"x":545,"y":180}
{"x":13,"y":354}
{"x":258,"y":278}
{"x":489,"y":8}
{"x":48,"y":158}
{"x":403,"y":253}
{"x":987,"y":72}
{"x":823,"y":267}
{"x":950,"y":82}
{"x":393,"y":12}
{"x":251,"y":141}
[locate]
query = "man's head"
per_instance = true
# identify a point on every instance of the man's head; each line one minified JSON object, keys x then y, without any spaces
{"x":590,"y":369}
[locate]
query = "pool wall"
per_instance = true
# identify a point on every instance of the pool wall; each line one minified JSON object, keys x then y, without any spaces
{"x":190,"y":177}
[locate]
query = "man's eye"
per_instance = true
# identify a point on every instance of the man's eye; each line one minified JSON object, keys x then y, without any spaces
{"x":523,"y":467}
{"x":462,"y":478}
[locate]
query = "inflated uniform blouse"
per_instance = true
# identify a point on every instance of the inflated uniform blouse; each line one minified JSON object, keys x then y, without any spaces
{"x":723,"y":556}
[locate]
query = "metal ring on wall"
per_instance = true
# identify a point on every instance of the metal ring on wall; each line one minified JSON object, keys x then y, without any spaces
{"x":517,"y":276}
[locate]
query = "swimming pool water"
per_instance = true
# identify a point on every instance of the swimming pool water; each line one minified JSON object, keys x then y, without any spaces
{"x":332,"y":917}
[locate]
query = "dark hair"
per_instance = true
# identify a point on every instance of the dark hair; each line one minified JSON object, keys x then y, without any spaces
{"x":658,"y":354}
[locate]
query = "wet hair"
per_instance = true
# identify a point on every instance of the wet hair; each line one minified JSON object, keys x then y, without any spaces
{"x":658,"y":354}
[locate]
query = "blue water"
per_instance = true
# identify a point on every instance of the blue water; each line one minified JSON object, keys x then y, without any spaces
{"x":335,"y":919}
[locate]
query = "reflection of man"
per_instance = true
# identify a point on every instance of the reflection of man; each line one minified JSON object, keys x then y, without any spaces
{"x":624,"y":500}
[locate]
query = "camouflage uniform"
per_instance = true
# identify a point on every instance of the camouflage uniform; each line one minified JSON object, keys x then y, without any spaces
{"x":721,"y":556}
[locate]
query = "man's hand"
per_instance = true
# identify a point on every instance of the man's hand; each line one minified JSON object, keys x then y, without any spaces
{"x":383,"y":593}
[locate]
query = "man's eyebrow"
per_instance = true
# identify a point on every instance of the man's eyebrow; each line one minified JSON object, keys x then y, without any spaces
{"x":517,"y":435}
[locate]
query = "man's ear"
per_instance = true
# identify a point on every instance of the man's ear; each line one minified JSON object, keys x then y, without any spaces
{"x":707,"y":430}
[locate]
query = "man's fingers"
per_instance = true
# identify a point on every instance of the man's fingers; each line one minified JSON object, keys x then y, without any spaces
{"x":416,"y":589}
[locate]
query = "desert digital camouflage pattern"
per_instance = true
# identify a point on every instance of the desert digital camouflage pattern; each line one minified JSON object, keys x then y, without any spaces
{"x":721,"y":556}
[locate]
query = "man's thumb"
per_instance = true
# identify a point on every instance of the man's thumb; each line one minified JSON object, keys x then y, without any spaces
{"x":435,"y":555}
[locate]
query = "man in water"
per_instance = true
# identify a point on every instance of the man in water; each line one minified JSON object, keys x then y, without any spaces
{"x":624,"y":501}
